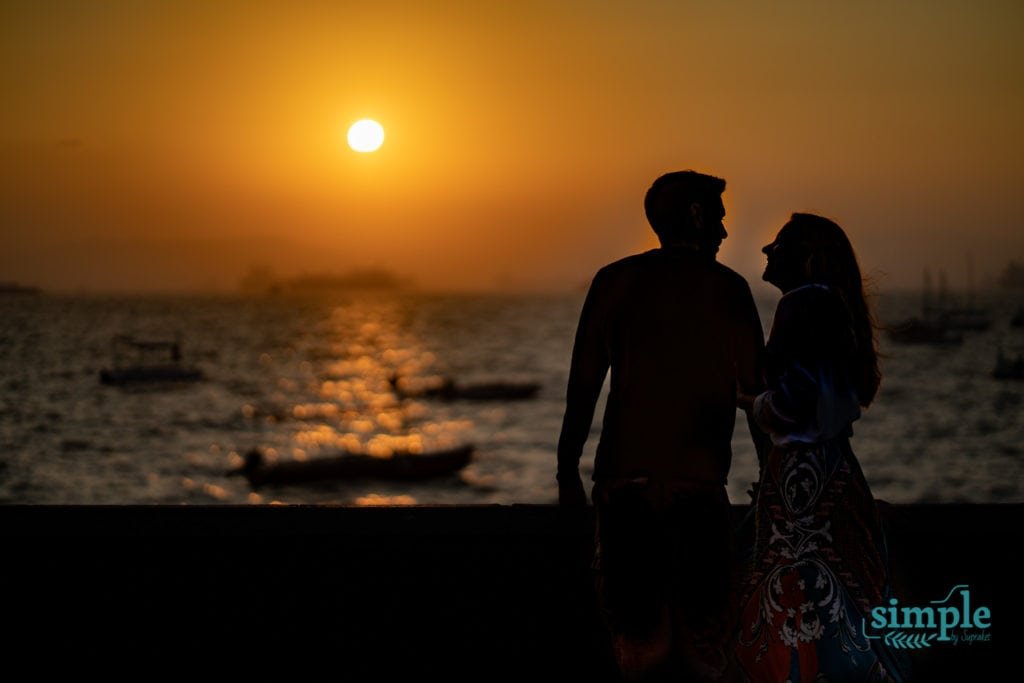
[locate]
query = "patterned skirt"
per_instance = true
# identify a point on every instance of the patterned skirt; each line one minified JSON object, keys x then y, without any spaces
{"x":819,"y":566}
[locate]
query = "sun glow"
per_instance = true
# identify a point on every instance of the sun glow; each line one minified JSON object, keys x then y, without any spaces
{"x":365,"y":135}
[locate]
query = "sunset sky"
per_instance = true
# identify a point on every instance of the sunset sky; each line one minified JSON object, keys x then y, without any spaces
{"x":174,"y":145}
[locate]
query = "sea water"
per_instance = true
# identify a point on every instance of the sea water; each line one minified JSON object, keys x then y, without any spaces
{"x":301,"y":377}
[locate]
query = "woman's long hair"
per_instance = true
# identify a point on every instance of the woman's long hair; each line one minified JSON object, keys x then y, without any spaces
{"x":832,"y":261}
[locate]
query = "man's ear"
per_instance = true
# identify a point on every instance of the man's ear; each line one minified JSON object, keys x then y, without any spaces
{"x":697,"y":215}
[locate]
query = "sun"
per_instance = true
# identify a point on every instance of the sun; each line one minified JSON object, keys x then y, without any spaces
{"x":365,"y":135}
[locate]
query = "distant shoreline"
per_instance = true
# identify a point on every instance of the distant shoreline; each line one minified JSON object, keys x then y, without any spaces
{"x":766,"y":294}
{"x":16,"y":288}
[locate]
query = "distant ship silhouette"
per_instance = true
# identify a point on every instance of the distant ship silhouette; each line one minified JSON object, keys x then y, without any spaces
{"x":15,"y":288}
{"x":449,"y":390}
{"x":1012,"y":276}
{"x":262,"y":281}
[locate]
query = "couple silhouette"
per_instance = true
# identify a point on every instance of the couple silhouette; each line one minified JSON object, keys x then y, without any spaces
{"x":684,"y":596}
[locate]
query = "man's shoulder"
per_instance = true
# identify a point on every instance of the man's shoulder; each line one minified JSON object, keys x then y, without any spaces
{"x":725,"y":271}
{"x":730,"y":276}
{"x":625,"y":266}
{"x":630,"y":262}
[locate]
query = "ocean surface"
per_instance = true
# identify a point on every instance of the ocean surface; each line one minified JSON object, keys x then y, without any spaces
{"x":304,"y":377}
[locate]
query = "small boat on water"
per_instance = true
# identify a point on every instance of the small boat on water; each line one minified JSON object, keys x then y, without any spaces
{"x":940,"y":323}
{"x":403,"y":466}
{"x":17,"y":288}
{"x":137,"y":361}
{"x":966,"y":319}
{"x":1008,"y":368}
{"x":917,"y":331}
{"x":449,"y":390}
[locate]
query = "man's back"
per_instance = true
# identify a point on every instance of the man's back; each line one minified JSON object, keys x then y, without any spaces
{"x":678,"y":331}
{"x":680,"y":334}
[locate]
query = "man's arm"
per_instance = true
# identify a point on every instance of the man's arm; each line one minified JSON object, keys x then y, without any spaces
{"x":750,"y":371}
{"x":586,"y":376}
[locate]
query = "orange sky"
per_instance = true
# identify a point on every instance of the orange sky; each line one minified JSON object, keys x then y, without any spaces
{"x":172,"y":145}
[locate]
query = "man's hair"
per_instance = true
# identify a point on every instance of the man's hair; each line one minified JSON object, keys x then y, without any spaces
{"x":667,"y":202}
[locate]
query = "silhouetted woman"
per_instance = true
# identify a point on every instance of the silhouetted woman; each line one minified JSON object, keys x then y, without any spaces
{"x":819,"y":562}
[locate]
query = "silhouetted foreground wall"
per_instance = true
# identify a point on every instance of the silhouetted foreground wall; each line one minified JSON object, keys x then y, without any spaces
{"x":495,"y":593}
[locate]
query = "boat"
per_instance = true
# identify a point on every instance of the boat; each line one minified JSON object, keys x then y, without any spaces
{"x":448,"y":389}
{"x":497,"y":391}
{"x":402,"y":465}
{"x":968,"y":319}
{"x":939,"y":324}
{"x":1012,"y":276}
{"x":146,"y":361}
{"x":17,"y":288}
{"x":918,"y":331}
{"x":1008,"y":368}
{"x":261,"y":280}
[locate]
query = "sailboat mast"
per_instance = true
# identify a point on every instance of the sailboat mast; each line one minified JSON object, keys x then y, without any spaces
{"x":943,"y":300}
{"x":970,"y":280}
{"x":926,"y":294}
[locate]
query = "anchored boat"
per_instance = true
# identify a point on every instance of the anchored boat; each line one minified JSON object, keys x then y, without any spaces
{"x":138,"y":361}
{"x":400,"y":465}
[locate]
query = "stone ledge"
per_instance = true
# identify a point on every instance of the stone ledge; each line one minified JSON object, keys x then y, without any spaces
{"x":381,"y":591}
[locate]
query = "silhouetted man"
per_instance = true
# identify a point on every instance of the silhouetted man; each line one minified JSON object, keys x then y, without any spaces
{"x":680,"y":332}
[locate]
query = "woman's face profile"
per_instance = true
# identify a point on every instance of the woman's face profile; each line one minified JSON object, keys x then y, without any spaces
{"x":785,"y":265}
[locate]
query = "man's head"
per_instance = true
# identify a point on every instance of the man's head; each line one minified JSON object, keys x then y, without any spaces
{"x":685,"y":209}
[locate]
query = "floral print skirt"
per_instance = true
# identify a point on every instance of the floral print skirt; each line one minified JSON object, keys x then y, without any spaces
{"x":819,"y":565}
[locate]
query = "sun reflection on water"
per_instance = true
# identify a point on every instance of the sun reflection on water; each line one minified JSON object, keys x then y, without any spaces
{"x":376,"y":499}
{"x":336,"y":386}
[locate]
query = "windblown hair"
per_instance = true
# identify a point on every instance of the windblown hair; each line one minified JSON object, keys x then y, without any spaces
{"x":832,"y":261}
{"x":667,"y":202}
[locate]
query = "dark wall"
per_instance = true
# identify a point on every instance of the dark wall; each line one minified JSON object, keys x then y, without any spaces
{"x":493,"y":593}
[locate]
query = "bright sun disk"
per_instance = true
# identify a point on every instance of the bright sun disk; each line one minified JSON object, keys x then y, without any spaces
{"x":365,"y":135}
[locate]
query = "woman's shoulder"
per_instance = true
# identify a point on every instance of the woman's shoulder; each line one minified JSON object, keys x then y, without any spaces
{"x":810,"y":319}
{"x":806,"y":303}
{"x":814,"y":293}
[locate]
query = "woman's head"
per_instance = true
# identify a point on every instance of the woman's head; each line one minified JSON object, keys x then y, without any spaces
{"x":812,"y":248}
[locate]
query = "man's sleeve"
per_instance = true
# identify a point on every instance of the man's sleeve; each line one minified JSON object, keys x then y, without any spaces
{"x":586,"y":376}
{"x":749,"y":364}
{"x":750,"y":350}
